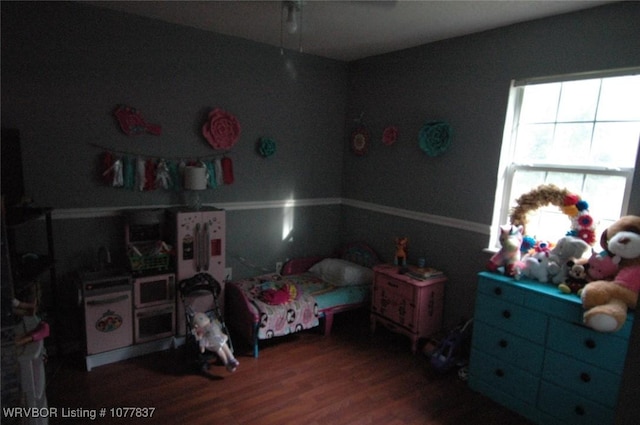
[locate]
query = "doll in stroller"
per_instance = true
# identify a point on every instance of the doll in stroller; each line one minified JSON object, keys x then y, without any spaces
{"x":206,"y":334}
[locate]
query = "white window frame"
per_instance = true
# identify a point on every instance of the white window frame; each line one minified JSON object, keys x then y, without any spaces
{"x":507,"y":167}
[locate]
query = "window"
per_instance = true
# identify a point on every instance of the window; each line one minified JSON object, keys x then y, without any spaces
{"x":576,"y":132}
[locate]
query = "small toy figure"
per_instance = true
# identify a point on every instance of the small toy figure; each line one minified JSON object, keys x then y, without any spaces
{"x":568,"y":248}
{"x":210,"y":336}
{"x":577,"y":278}
{"x":401,"y":251}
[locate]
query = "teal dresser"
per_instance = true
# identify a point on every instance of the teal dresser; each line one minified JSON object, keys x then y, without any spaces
{"x":531,"y":353}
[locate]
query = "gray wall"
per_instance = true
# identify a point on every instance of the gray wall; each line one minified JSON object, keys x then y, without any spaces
{"x":65,"y":67}
{"x":464,"y":81}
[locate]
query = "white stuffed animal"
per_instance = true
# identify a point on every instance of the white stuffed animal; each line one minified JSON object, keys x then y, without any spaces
{"x":536,"y":266}
{"x":568,"y":248}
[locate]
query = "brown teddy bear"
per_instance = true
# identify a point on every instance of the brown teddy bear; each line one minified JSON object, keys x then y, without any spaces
{"x":606,"y":301}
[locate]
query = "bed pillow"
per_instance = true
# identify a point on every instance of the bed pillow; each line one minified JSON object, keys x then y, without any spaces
{"x":342,"y":272}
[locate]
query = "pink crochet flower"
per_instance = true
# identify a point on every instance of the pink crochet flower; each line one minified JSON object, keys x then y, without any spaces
{"x":390,"y":135}
{"x":222,"y":130}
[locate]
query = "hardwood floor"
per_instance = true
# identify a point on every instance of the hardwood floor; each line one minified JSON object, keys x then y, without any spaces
{"x":349,"y":377}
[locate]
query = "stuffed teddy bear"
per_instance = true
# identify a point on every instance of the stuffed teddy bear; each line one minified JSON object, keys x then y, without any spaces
{"x":509,"y":254}
{"x":606,"y":301}
{"x":209,"y":335}
{"x":568,"y":248}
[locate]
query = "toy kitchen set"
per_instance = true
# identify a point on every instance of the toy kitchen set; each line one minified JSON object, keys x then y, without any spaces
{"x":133,"y":312}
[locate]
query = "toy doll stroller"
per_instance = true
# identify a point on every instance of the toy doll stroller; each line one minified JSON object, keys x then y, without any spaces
{"x":199,"y":296}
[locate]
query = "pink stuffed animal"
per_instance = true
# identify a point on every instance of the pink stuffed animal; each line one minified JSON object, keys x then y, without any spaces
{"x":509,"y":254}
{"x":602,"y":265}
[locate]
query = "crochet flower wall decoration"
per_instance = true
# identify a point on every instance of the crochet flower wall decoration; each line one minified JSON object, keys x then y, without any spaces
{"x":222,"y":130}
{"x":132,"y":123}
{"x":435,"y":137}
{"x":266,"y":147}
{"x":390,"y":135}
{"x":360,"y":141}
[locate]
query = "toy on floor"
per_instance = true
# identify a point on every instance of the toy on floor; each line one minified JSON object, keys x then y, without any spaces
{"x":207,"y":336}
{"x":210,"y":337}
{"x":606,"y":301}
{"x":453,"y":350}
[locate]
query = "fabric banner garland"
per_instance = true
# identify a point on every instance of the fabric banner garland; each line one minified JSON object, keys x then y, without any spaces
{"x":148,"y":174}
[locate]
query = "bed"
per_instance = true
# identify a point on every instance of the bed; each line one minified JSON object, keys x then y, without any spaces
{"x":307,"y":294}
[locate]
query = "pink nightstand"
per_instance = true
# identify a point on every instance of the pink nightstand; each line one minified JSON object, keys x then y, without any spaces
{"x":406,"y":305}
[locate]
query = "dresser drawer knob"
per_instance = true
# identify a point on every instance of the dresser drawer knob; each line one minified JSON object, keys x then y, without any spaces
{"x":499,"y":373}
{"x":585,"y":377}
{"x":503,"y":343}
{"x":497,"y":290}
{"x":579,"y":410}
{"x":589,"y":343}
{"x":506,"y":314}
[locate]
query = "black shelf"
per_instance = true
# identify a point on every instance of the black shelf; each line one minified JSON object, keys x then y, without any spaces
{"x":26,"y":269}
{"x":19,"y":216}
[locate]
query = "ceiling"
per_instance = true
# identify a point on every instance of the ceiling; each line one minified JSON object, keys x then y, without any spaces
{"x":349,"y":30}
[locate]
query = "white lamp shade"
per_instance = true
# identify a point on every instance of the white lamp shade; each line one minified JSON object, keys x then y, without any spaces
{"x":195,"y":178}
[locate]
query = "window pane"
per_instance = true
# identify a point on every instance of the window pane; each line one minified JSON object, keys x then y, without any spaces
{"x":578,"y":100}
{"x":573,"y":182}
{"x":620,"y":99}
{"x":571,"y":144}
{"x":604,"y":195}
{"x":534,"y":143}
{"x":540,"y":103}
{"x":523,"y":182}
{"x":590,"y":128}
{"x":615,"y":144}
